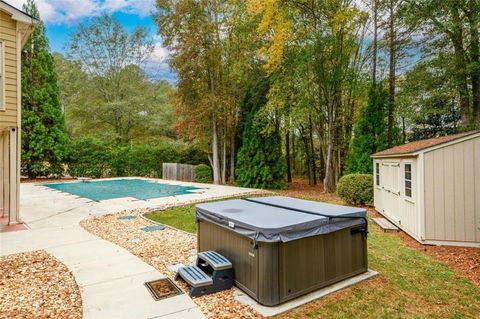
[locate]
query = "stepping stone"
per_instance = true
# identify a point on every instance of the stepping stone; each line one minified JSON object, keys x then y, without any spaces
{"x":153,"y":228}
{"x":385,"y":225}
{"x":135,"y":240}
{"x":127,"y":217}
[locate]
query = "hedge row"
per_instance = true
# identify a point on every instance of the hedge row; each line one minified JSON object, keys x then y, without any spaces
{"x":95,"y":158}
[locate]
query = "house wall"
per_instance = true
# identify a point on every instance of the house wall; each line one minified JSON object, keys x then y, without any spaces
{"x":8,"y":35}
{"x":3,"y":159}
{"x":389,"y":196}
{"x":452,"y":192}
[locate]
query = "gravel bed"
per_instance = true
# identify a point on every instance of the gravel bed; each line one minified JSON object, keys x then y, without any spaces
{"x":36,"y":285}
{"x":162,"y":249}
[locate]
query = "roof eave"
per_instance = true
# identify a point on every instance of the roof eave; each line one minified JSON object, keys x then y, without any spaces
{"x":17,"y":14}
{"x":394,"y":155}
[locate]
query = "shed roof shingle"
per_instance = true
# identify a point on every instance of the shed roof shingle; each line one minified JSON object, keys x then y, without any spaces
{"x":422,"y":144}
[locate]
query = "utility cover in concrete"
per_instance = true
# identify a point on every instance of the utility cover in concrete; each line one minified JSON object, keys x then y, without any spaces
{"x":127,"y":217}
{"x":153,"y":228}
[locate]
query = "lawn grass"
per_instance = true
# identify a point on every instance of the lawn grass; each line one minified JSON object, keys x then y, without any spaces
{"x":182,"y":217}
{"x":411,"y":283}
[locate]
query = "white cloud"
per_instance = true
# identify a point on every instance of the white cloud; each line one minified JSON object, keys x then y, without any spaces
{"x":72,"y":11}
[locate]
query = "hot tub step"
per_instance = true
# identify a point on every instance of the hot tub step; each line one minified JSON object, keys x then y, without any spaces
{"x":212,"y":273}
{"x":194,"y":276}
{"x":214,"y":259}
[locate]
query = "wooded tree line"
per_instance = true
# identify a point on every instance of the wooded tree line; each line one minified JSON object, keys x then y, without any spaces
{"x":95,"y":98}
{"x":268,"y":89}
{"x":345,"y":78}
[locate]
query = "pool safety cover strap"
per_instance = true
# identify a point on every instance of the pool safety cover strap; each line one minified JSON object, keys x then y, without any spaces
{"x":278,"y":218}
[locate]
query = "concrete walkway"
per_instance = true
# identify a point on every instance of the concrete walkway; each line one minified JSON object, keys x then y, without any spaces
{"x":111,"y":279}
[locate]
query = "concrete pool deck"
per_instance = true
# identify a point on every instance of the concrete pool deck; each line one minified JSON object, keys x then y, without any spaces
{"x":111,"y":279}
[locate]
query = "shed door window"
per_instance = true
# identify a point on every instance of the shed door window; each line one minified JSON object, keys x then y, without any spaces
{"x":408,"y":180}
{"x":377,"y":174}
{"x":2,"y":76}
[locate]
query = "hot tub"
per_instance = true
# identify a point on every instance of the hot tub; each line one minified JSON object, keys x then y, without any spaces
{"x":282,"y":247}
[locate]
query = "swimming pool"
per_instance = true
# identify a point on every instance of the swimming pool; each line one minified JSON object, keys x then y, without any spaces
{"x":118,"y":188}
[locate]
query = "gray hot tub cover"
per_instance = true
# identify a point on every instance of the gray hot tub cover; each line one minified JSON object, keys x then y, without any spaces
{"x":278,"y":218}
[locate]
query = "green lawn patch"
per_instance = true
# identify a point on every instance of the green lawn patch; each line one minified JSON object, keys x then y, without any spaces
{"x":182,"y":217}
{"x":411,"y":283}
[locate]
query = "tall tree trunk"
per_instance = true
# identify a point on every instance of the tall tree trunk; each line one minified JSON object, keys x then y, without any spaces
{"x":474,"y":62}
{"x":294,"y":154}
{"x":232,"y":156}
{"x":375,"y":42}
{"x":329,"y":182}
{"x":308,"y":157}
{"x":215,"y":163}
{"x":287,"y":157}
{"x":224,"y":155}
{"x":460,"y":66}
{"x":391,"y":75}
{"x":314,"y":165}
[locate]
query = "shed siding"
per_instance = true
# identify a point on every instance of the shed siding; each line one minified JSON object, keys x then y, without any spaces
{"x":8,"y":117}
{"x":452,"y":192}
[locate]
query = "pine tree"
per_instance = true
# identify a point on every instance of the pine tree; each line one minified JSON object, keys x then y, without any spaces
{"x":369,"y":132}
{"x":44,"y":138}
{"x":260,"y":163}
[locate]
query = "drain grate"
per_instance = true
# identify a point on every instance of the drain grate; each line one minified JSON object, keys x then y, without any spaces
{"x":163,"y":288}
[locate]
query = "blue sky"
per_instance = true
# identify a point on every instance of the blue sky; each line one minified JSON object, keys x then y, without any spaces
{"x":62,"y":17}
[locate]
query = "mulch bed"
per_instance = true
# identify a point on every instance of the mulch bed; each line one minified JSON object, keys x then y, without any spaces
{"x":464,"y":260}
{"x":36,"y":285}
{"x":161,"y":249}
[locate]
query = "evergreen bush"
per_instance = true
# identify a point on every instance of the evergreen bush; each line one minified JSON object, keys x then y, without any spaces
{"x":356,"y":189}
{"x":203,"y":174}
{"x":44,"y":136}
{"x":260,"y":162}
{"x":89,"y":158}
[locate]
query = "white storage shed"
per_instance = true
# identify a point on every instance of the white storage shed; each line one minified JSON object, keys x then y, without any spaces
{"x":431,"y":189}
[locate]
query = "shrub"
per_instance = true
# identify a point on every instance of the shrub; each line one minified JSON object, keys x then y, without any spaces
{"x":356,"y":189}
{"x":203,"y":174}
{"x":95,"y":158}
{"x":89,"y":157}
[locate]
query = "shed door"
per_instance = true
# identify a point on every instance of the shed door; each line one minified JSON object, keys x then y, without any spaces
{"x":391,"y":190}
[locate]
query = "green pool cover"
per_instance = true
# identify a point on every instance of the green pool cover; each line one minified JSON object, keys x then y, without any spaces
{"x":118,"y":188}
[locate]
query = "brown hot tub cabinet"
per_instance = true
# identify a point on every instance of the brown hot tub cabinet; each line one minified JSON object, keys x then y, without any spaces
{"x":281,"y":247}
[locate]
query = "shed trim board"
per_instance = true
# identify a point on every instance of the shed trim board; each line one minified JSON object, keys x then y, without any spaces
{"x":445,"y":205}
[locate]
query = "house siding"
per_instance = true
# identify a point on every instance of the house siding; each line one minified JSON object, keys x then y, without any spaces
{"x":452,"y":192}
{"x":8,"y":27}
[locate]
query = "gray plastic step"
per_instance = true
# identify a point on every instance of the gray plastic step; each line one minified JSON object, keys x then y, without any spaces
{"x":194,"y":276}
{"x":215,"y":260}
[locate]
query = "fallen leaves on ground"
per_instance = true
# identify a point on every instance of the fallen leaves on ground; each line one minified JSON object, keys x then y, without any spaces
{"x":36,"y":285}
